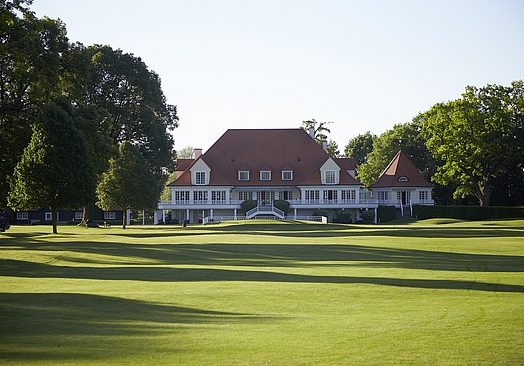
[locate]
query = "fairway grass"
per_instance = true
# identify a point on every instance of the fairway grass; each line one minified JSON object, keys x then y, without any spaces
{"x":431,"y":292}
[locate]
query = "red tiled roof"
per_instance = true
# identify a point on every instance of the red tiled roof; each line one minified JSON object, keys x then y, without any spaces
{"x":266,"y":149}
{"x":399,"y":167}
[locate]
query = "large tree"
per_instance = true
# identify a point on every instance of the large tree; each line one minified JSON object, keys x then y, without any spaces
{"x":359,"y":148}
{"x":475,"y":136}
{"x":129,"y":183}
{"x":30,"y":66}
{"x":55,"y":170}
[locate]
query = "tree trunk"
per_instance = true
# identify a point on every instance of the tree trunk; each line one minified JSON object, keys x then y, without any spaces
{"x":53,"y":220}
{"x":487,"y":192}
{"x":124,"y":219}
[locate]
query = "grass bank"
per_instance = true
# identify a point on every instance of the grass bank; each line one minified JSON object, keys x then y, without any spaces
{"x":257,"y":293}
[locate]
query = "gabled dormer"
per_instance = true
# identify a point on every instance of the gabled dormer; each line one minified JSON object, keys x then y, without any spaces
{"x":200,"y":173}
{"x":330,"y":172}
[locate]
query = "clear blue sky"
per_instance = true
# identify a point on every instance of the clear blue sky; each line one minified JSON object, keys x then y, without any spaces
{"x":363,"y":64}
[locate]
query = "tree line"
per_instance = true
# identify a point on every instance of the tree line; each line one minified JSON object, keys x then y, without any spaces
{"x":471,"y":148}
{"x":79,"y":125}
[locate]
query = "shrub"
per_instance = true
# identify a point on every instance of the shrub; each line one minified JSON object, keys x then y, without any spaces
{"x":319,"y":212}
{"x":343,"y":217}
{"x":248,"y":205}
{"x":386,"y":213}
{"x":368,"y":216}
{"x":472,"y":213}
{"x":281,"y":205}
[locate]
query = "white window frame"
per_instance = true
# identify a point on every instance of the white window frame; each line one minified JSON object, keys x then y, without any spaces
{"x":79,"y":215}
{"x":48,"y":216}
{"x":218,"y":197}
{"x":265,"y":175}
{"x":287,"y":175}
{"x":383,"y":195}
{"x":245,"y":195}
{"x":109,"y":215}
{"x":243,"y":175}
{"x":423,"y":196}
{"x":181,"y":196}
{"x":22,"y":215}
{"x":200,"y":197}
{"x":330,"y":177}
{"x":403,"y":178}
{"x":200,"y":178}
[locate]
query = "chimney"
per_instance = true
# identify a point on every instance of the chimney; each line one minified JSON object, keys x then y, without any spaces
{"x":312,"y":132}
{"x":324,"y":142}
{"x":197,"y":153}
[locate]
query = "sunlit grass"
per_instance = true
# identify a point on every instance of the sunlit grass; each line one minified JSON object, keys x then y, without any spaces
{"x":257,"y":293}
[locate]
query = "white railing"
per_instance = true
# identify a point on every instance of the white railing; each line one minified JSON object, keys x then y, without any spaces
{"x":218,"y":219}
{"x":265,"y":209}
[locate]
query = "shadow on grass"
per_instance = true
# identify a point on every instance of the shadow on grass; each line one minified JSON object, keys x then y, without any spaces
{"x":166,"y":274}
{"x":269,"y":255}
{"x":53,"y":326}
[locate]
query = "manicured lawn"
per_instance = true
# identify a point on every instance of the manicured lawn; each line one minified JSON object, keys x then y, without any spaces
{"x":434,"y":292}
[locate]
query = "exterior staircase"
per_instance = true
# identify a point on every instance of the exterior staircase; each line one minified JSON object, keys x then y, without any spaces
{"x":265,"y":210}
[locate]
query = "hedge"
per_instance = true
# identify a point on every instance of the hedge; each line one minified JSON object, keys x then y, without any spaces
{"x":248,"y":205}
{"x":386,"y":213}
{"x":472,"y":213}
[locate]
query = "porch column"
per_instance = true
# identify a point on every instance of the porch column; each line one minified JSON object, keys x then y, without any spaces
{"x":235,"y":214}
{"x":211,"y":213}
{"x":187,"y":214}
{"x":295,"y":213}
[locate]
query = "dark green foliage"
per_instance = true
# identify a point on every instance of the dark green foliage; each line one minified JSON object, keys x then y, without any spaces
{"x":386,"y":213}
{"x":477,"y":136}
{"x":359,"y":148}
{"x":368,"y":216}
{"x":471,"y":213}
{"x":128,"y":183}
{"x":319,"y":212}
{"x":281,"y":205}
{"x":343,"y":217}
{"x":55,"y":170}
{"x":248,"y":205}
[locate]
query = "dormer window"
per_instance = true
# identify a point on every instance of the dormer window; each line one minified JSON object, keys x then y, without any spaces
{"x":287,"y":175}
{"x":403,"y":178}
{"x":330,"y":177}
{"x":243,"y":175}
{"x":265,"y":175}
{"x":200,"y":178}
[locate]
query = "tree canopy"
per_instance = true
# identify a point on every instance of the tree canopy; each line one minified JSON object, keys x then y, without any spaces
{"x":359,"y":148}
{"x":55,"y":170}
{"x":110,"y":97}
{"x":475,"y":136}
{"x":128,"y":184}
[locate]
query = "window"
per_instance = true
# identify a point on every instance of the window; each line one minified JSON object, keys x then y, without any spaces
{"x":181,"y":196}
{"x":285,"y":195}
{"x":383,"y":195}
{"x":330,"y":177}
{"x":110,"y":215}
{"x":245,"y":195}
{"x":349,"y":195}
{"x":330,"y":196}
{"x":218,"y":196}
{"x":287,"y":175}
{"x":79,"y":215}
{"x":312,"y":195}
{"x":265,"y":175}
{"x":200,"y":196}
{"x":423,"y":195}
{"x":49,"y":216}
{"x":403,"y":178}
{"x":243,"y":175}
{"x":22,"y":216}
{"x":200,"y":178}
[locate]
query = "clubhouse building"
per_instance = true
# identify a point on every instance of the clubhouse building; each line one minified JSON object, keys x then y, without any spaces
{"x":268,"y":166}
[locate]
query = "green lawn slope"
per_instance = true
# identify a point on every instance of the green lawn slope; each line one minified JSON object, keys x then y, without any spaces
{"x":429,"y":292}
